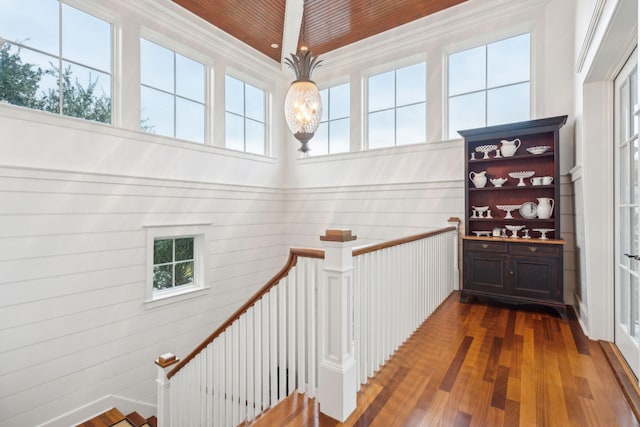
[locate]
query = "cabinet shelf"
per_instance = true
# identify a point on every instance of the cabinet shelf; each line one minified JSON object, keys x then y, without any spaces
{"x":512,"y":158}
{"x":514,"y":188}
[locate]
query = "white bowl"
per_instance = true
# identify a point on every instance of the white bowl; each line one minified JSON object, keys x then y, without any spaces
{"x":539,"y":149}
{"x":497,"y":182}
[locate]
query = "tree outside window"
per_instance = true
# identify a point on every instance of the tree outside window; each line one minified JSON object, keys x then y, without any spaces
{"x":56,"y":60}
{"x":173,"y":263}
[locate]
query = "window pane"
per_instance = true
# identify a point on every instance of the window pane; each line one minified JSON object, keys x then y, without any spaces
{"x":508,"y":104}
{"x":184,"y":273}
{"x":86,"y":39}
{"x":411,"y":84}
{"x":19,"y":22}
{"x":466,"y":112}
{"x":234,"y":132}
{"x":189,"y":120}
{"x":234,"y":95}
{"x":157,"y":109}
{"x":381,"y":91}
{"x":381,"y":129}
{"x":467,"y":71}
{"x":339,"y":134}
{"x":319,"y":144}
{"x":184,"y":249}
{"x":162,"y":251}
{"x":30,"y":87}
{"x":156,"y":66}
{"x":254,"y":103}
{"x":508,"y":61}
{"x":163,"y":276}
{"x":86,"y":93}
{"x":189,"y":78}
{"x":255,"y":137}
{"x":340,"y":105}
{"x":411,"y":126}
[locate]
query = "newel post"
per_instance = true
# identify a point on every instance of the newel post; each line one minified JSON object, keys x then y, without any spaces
{"x":164,"y":363}
{"x":455,"y":222}
{"x":337,"y":380}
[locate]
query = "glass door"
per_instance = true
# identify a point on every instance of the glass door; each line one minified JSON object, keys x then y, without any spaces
{"x":627,"y":257}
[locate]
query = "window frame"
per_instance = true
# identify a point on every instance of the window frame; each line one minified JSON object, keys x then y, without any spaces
{"x":245,"y":80}
{"x":102,"y":13}
{"x":485,"y":41}
{"x":328,"y":88}
{"x":177,"y":49}
{"x":405,"y":63}
{"x":199,"y":232}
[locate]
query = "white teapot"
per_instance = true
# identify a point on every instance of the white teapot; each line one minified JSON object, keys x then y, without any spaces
{"x":479,"y":178}
{"x":509,"y":148}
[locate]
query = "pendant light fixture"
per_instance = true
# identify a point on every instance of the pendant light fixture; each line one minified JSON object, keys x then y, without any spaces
{"x":303,"y":105}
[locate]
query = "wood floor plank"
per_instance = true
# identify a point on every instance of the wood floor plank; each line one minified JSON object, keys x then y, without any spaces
{"x":483,"y":364}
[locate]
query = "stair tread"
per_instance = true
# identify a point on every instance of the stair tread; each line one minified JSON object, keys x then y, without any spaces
{"x":152,"y":421}
{"x":106,"y":419}
{"x":123,"y":423}
{"x":136,"y":419}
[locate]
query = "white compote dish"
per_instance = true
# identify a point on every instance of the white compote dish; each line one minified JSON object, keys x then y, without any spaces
{"x":521,"y":175}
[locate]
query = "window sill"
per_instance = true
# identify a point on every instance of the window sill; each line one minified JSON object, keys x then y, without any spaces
{"x":176,"y":296}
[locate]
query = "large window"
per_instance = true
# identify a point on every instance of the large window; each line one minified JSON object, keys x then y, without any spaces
{"x":245,"y":123}
{"x":172,"y":93}
{"x":333,"y":133}
{"x":397,"y":107}
{"x":56,"y":58}
{"x":490,"y":84}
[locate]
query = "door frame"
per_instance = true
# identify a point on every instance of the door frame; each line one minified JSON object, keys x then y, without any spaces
{"x":614,"y":36}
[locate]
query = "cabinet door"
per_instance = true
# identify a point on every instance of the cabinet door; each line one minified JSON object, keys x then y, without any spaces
{"x":535,"y":277}
{"x":484,"y":271}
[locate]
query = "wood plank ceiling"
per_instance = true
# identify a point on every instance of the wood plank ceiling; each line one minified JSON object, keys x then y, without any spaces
{"x":326,"y":24}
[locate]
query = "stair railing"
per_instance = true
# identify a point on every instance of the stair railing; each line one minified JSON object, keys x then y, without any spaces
{"x":272,"y":345}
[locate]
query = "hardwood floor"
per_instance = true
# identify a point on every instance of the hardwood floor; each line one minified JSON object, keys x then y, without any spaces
{"x":482,"y":364}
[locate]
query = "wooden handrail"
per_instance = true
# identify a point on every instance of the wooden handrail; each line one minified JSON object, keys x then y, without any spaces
{"x":294,"y":253}
{"x":391,"y":243}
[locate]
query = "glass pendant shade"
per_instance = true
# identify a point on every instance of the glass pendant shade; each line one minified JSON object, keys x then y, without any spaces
{"x":303,"y":110}
{"x":303,"y":105}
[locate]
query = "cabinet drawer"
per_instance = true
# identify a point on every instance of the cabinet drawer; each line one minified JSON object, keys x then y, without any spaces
{"x":485,"y":246}
{"x":533,"y":249}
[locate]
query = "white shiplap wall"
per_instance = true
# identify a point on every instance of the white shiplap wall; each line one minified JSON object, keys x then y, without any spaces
{"x":73,"y":323}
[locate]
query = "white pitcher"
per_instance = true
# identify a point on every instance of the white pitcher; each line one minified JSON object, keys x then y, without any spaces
{"x":545,"y":207}
{"x":479,"y":178}
{"x":509,"y":148}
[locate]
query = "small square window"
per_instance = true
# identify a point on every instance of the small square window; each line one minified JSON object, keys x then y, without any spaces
{"x":173,"y":263}
{"x":175,"y":260}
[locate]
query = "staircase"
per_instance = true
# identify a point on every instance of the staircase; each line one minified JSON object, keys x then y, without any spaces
{"x":114,"y":418}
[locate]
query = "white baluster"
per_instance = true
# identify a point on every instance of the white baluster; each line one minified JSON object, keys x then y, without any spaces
{"x":273,"y":343}
{"x":242,"y":368}
{"x":258,"y":354}
{"x":250,"y":364}
{"x":303,"y":265}
{"x":291,"y":331}
{"x":311,"y":275}
{"x":282,"y":340}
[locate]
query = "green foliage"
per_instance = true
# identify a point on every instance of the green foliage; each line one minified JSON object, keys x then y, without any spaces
{"x":19,"y":83}
{"x":162,"y":251}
